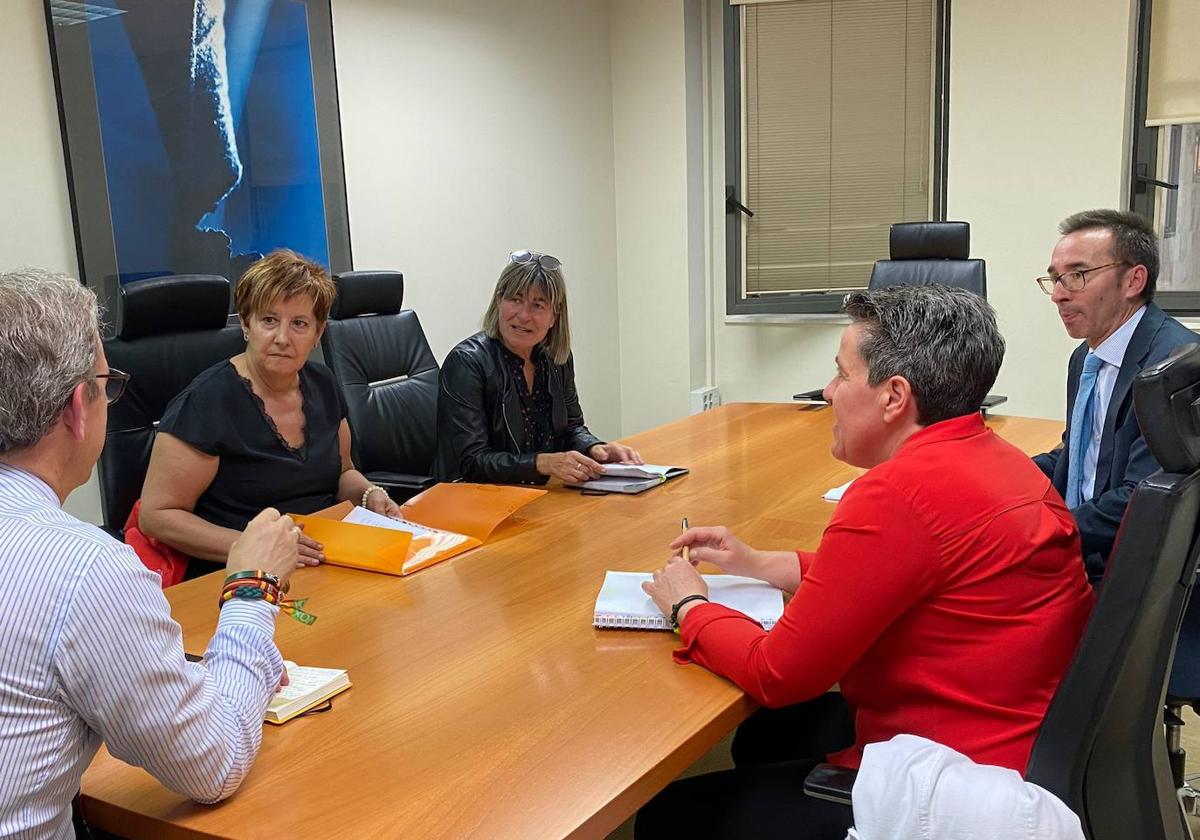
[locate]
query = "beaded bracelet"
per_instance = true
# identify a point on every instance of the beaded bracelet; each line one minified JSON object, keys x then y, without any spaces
{"x":261,"y":586}
{"x":371,"y":489}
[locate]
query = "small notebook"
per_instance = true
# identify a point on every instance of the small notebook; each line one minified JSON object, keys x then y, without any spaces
{"x":307,"y":688}
{"x":835,"y":494}
{"x":631,"y":478}
{"x":623,"y":605}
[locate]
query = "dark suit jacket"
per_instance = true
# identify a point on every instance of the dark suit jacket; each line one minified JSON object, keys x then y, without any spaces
{"x":1124,"y":458}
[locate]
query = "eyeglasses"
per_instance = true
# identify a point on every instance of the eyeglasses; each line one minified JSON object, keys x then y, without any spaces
{"x":546,"y":261}
{"x":1073,"y":281}
{"x":114,"y":384}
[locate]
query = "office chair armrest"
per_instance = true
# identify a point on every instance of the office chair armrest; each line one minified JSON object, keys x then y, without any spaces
{"x":831,"y":783}
{"x":401,"y":486}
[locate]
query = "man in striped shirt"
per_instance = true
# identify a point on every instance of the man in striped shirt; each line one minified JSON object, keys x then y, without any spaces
{"x":88,"y":649}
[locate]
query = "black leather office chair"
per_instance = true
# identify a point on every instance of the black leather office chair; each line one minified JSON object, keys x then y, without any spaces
{"x":1101,"y":748}
{"x":169,"y":329}
{"x":926,"y":254}
{"x":389,"y":379}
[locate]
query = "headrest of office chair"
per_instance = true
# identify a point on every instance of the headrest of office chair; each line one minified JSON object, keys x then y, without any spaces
{"x":174,"y":304}
{"x":1166,"y":398}
{"x":367,"y":293}
{"x":930,"y":241}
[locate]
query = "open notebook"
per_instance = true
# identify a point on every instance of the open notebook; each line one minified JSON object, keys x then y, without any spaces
{"x":443,"y":521}
{"x":307,"y":688}
{"x":623,"y":605}
{"x":631,"y":478}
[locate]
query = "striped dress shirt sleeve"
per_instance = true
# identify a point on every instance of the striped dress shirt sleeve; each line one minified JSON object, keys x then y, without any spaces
{"x":89,"y":652}
{"x":195,"y":727}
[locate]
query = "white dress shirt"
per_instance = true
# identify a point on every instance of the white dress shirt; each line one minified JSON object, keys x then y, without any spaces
{"x":89,"y":652}
{"x":911,"y":788}
{"x":1112,"y":353}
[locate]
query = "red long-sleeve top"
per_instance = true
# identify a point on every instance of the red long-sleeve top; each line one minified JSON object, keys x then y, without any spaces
{"x":946,"y":597}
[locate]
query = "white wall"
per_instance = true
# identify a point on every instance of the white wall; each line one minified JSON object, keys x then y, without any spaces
{"x":651,"y":181}
{"x":35,"y":213}
{"x":472,"y":129}
{"x":1037,"y":130}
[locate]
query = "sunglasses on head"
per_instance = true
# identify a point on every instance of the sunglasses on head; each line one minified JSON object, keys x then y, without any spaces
{"x":546,"y":261}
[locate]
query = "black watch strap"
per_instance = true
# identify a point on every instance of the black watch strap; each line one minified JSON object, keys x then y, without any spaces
{"x":675,"y":609}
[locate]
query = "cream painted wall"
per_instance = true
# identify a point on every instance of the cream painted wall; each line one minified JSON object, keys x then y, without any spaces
{"x":650,"y":131}
{"x":472,"y":129}
{"x":1036,"y":132}
{"x":35,"y":215}
{"x":460,"y":146}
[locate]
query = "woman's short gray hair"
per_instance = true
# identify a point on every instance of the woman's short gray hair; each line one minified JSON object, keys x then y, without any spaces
{"x":943,"y":340}
{"x":515,"y":280}
{"x":49,"y":328}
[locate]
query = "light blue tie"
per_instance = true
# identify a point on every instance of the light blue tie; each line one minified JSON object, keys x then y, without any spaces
{"x":1081,"y":429}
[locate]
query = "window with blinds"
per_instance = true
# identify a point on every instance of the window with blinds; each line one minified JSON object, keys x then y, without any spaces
{"x":836,"y":137}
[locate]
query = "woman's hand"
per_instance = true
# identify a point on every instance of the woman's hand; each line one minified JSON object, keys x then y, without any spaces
{"x":570,"y":467}
{"x":721,"y":548}
{"x":380,"y":502}
{"x":674,"y":582}
{"x":310,"y":551}
{"x":613,"y":453}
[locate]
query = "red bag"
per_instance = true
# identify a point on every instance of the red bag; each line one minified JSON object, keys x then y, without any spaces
{"x":157,"y":556}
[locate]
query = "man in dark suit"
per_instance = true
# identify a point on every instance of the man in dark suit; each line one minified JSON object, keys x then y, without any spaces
{"x":1102,"y":276}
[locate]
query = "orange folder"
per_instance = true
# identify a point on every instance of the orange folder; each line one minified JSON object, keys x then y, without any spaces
{"x":459,"y":517}
{"x":360,"y":546}
{"x":471,"y":509}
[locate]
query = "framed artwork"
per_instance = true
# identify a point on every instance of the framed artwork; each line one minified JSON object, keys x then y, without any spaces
{"x":198,"y":135}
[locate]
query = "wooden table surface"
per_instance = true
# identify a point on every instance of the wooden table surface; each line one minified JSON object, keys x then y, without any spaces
{"x":484,"y":703}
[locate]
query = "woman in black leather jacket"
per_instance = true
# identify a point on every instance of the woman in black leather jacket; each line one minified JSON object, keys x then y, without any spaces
{"x":507,"y":407}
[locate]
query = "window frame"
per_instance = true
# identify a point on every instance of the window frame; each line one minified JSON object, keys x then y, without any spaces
{"x":812,"y":303}
{"x":1143,"y":158}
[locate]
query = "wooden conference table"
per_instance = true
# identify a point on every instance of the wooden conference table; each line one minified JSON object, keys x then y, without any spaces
{"x":484,"y":703}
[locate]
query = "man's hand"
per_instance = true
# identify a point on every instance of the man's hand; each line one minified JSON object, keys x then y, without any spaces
{"x":674,"y":582}
{"x":570,"y":467}
{"x":270,"y":543}
{"x":613,"y":453}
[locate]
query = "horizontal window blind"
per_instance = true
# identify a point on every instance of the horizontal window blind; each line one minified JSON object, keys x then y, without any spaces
{"x":1173,"y":86}
{"x":836,"y":135}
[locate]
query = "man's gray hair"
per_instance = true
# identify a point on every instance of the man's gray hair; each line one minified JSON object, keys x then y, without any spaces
{"x":49,"y":326}
{"x":943,"y":340}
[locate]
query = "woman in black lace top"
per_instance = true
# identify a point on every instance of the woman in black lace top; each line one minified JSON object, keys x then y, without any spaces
{"x":266,"y":428}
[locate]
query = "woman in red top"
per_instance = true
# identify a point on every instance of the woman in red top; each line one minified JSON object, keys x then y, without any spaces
{"x":945,"y":598}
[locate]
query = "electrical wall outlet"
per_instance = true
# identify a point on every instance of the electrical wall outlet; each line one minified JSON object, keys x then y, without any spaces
{"x":705,"y":398}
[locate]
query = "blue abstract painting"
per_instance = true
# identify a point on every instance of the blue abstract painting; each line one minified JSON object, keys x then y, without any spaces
{"x":208,"y":126}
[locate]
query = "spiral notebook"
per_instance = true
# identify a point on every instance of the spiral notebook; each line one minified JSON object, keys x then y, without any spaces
{"x":623,"y":605}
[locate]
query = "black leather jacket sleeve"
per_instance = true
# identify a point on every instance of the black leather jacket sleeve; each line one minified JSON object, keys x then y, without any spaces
{"x":463,"y":425}
{"x":577,"y":436}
